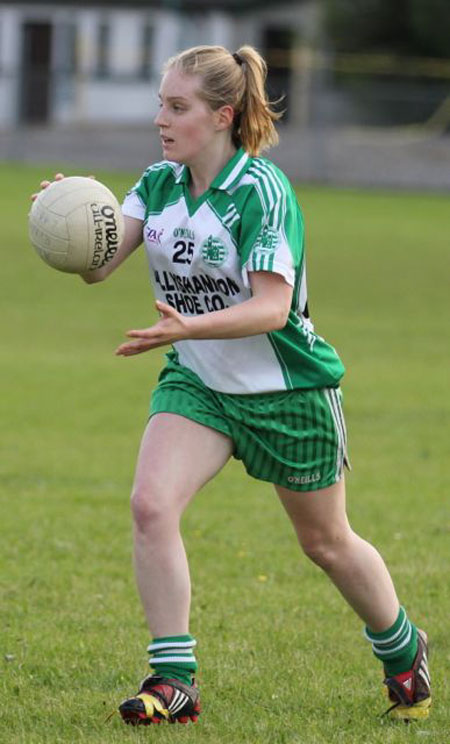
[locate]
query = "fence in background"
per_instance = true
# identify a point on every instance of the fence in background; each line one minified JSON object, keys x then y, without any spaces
{"x":371,"y":120}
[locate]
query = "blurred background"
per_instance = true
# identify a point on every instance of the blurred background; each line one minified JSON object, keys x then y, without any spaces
{"x":366,"y":83}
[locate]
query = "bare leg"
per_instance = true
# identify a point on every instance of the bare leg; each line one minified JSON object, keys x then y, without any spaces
{"x":356,"y":568}
{"x":177,"y":457}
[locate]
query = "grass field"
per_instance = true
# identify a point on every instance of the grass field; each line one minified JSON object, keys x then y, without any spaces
{"x":283,"y":660}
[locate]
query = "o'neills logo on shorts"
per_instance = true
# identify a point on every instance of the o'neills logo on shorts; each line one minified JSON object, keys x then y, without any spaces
{"x":303,"y":480}
{"x":106,"y":239}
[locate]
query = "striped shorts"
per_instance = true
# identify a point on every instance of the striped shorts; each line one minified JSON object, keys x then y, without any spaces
{"x":294,"y":438}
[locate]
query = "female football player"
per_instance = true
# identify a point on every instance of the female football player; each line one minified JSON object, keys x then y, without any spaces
{"x":247,"y":375}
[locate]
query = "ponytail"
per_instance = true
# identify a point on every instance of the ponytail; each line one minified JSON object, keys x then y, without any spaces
{"x":254,"y":125}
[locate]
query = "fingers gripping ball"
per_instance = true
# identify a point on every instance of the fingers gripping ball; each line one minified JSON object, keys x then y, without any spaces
{"x":76,"y":225}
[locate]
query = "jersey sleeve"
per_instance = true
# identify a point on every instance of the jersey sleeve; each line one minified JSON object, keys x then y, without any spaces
{"x":135,"y":202}
{"x":272,"y":231}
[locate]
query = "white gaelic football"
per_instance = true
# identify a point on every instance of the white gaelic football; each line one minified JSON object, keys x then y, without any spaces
{"x":76,"y":225}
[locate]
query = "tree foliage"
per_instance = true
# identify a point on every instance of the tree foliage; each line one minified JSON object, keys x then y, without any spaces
{"x":402,"y":26}
{"x":430,"y":25}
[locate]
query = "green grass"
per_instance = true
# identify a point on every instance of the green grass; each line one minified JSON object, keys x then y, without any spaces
{"x":283,"y":660}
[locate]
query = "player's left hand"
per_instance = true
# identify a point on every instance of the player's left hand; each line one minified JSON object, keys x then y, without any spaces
{"x":172,"y":326}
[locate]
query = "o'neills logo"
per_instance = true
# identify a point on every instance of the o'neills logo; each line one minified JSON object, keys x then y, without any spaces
{"x":106,"y":239}
{"x":302,"y":480}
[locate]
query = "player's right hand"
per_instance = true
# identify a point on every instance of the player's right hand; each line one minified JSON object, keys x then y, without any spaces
{"x":45,"y":184}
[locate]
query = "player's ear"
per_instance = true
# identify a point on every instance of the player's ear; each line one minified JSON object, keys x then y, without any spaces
{"x":224,"y":117}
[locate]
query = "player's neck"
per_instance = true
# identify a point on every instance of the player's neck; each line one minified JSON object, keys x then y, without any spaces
{"x":208,"y":165}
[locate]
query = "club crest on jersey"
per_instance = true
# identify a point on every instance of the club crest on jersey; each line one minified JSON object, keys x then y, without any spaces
{"x":267,"y":239}
{"x":214,"y":252}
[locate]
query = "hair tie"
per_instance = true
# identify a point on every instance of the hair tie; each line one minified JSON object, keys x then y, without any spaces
{"x":237,"y":58}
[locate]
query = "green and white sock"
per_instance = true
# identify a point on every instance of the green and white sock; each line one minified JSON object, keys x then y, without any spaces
{"x":396,"y":647}
{"x":173,"y":656}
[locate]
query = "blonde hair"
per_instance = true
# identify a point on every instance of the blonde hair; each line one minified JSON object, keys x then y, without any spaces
{"x":237,"y":80}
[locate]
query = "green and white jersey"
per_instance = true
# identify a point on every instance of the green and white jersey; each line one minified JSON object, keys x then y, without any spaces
{"x":200,"y":253}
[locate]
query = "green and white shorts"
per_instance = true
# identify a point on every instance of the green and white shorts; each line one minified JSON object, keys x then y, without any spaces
{"x":294,"y":438}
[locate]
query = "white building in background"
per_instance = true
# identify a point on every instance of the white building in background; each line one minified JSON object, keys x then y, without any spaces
{"x":94,"y":62}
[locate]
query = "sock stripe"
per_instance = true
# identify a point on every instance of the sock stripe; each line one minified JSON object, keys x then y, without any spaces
{"x":170,"y":659}
{"x":394,"y":649}
{"x":160,"y":645}
{"x":173,"y":652}
{"x":372,"y":637}
{"x":397,"y":646}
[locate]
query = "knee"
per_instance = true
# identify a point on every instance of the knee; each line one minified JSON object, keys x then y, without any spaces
{"x":325,"y":550}
{"x":150,"y":513}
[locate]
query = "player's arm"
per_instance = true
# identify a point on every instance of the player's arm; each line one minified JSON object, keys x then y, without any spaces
{"x":132,"y":239}
{"x":267,"y":310}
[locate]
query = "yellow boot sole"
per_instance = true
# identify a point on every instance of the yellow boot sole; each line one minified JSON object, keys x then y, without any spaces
{"x":416,"y":712}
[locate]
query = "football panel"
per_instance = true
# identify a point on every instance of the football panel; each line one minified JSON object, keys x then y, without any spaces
{"x":79,"y":229}
{"x":61,"y":190}
{"x":43,"y":219}
{"x":48,"y":235}
{"x":57,"y":260}
{"x":70,"y":193}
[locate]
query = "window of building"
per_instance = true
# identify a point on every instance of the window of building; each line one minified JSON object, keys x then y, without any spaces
{"x":278,"y":43}
{"x":103,"y":45}
{"x":146,"y":50}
